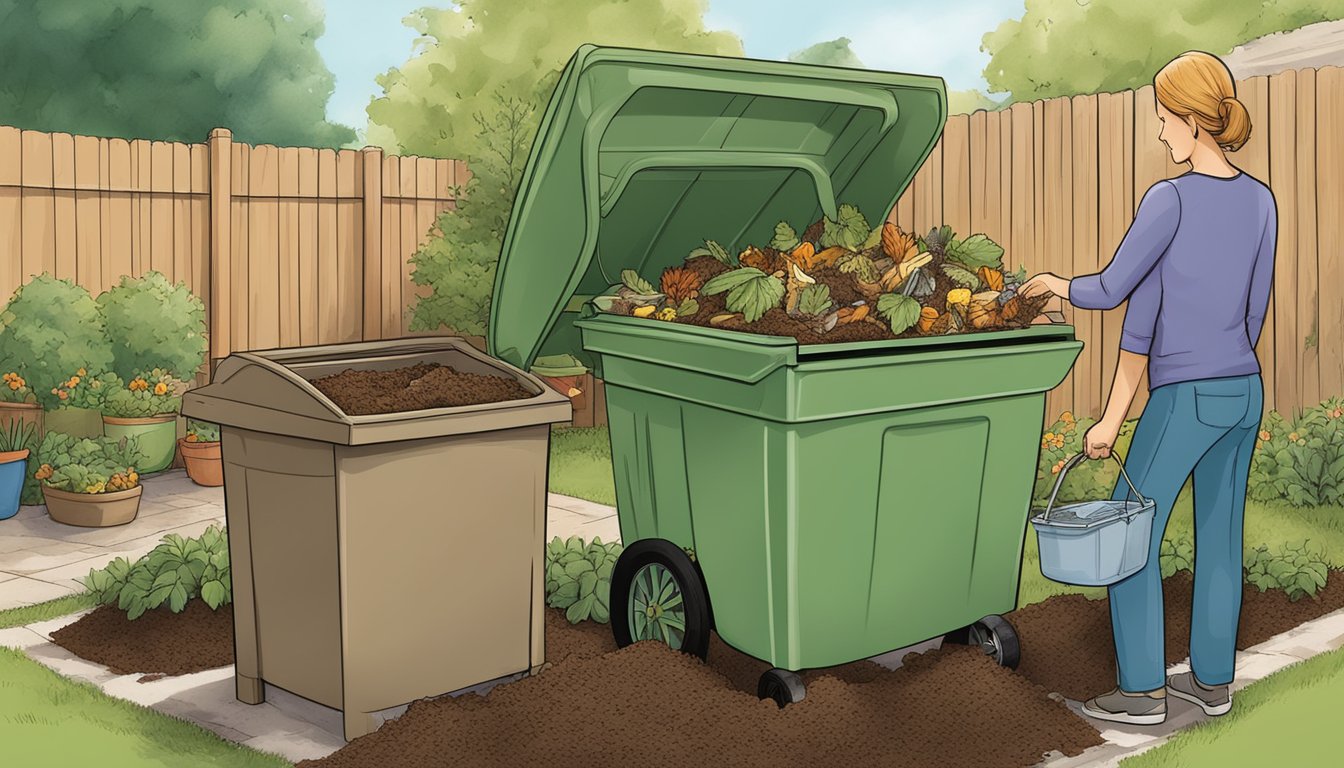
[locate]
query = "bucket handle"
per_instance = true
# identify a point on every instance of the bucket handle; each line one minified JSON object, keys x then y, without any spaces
{"x":1070,"y":464}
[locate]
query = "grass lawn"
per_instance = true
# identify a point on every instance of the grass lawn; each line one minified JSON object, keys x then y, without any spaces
{"x":46,"y":719}
{"x":581,"y":464}
{"x":1290,"y":718}
{"x":61,"y":606}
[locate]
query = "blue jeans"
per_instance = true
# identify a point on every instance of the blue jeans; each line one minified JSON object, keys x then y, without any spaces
{"x":1207,"y":427}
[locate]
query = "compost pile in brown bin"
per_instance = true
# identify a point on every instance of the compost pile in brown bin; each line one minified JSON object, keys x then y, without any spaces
{"x":1067,"y":645}
{"x":160,"y":641}
{"x":841,"y":281}
{"x":415,"y":388}
{"x":597,"y":706}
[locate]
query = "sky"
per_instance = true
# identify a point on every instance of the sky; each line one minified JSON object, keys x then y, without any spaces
{"x":363,"y":39}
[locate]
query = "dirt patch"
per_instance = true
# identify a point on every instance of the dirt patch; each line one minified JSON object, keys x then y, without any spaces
{"x":415,"y":388}
{"x":1067,"y":644}
{"x":158,"y":642}
{"x":596,"y":706}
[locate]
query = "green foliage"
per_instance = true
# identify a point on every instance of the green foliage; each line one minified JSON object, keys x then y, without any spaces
{"x":204,"y":431}
{"x":18,"y":435}
{"x":717,"y":251}
{"x":1064,"y":47}
{"x":171,"y":574}
{"x":89,"y":391}
{"x":88,"y":465}
{"x":966,"y":102}
{"x":1296,"y":570}
{"x":814,"y":299}
{"x":458,"y":96}
{"x":860,"y":266}
{"x":14,"y":389}
{"x":1301,"y":461}
{"x":975,"y":252}
{"x":962,"y":277}
{"x":152,"y":394}
{"x":786,"y":238}
{"x":849,"y":230}
{"x":1086,"y":481}
{"x":901,"y":311}
{"x":49,"y":329}
{"x":1176,"y":555}
{"x":578,"y":578}
{"x":687,"y":308}
{"x":166,"y":69}
{"x":152,"y":323}
{"x":631,"y":279}
{"x":750,"y":291}
{"x":831,"y":53}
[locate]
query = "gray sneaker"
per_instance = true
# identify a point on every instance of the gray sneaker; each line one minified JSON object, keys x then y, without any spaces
{"x":1132,"y":708}
{"x":1214,"y":701}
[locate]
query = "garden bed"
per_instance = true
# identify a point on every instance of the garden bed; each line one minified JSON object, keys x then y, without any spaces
{"x":597,"y":706}
{"x":414,"y":388}
{"x":159,"y":642}
{"x":1067,"y":644}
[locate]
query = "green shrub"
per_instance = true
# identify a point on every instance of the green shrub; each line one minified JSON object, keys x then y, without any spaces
{"x":14,"y":389}
{"x":88,"y":465}
{"x":152,"y":323}
{"x":49,"y":330}
{"x":1086,"y":481}
{"x":1301,"y":461}
{"x":146,"y":395}
{"x":578,"y":578}
{"x":1296,"y":570}
{"x":173,"y":573}
{"x":1176,"y":555}
{"x":202,"y":431}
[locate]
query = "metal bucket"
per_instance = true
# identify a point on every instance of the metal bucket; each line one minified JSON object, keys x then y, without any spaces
{"x":1094,"y":543}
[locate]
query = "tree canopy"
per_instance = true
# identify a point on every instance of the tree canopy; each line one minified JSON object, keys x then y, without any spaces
{"x":1064,"y":47}
{"x":831,"y":53}
{"x":167,"y":69}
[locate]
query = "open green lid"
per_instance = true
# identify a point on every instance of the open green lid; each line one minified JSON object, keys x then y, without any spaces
{"x":643,"y":155}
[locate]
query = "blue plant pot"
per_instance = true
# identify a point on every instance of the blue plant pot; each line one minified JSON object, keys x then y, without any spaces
{"x":11,"y":484}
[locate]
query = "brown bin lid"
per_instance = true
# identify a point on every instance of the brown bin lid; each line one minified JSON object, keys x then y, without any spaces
{"x":268,"y":391}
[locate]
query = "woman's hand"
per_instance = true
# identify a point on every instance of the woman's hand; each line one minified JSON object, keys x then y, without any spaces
{"x":1099,"y":440}
{"x":1045,"y":282}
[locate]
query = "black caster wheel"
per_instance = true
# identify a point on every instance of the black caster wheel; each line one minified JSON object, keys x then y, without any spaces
{"x":657,"y":594}
{"x":994,"y":635}
{"x":783,"y":686}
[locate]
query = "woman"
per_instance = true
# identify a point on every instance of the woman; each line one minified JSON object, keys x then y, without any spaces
{"x":1196,"y":267}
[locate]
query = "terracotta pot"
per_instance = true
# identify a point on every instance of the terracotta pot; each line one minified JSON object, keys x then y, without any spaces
{"x":155,"y":435}
{"x":92,"y":510}
{"x":24,"y":413}
{"x":204,"y":461}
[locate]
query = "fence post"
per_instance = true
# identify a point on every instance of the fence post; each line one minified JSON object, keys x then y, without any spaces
{"x":373,"y":242}
{"x":220,"y":146}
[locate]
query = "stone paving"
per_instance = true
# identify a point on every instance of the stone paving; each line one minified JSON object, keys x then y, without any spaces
{"x":41,"y":559}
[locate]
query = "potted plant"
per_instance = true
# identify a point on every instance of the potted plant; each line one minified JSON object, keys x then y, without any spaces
{"x":201,"y":453}
{"x":145,"y":408}
{"x":18,"y":403}
{"x":90,"y":482}
{"x":49,"y":329}
{"x":16,"y":444}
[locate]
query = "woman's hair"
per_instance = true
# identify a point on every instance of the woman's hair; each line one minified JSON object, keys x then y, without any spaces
{"x":1199,"y":85}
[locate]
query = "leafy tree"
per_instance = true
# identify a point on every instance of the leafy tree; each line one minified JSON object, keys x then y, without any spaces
{"x":832,"y":53}
{"x":1063,"y":47}
{"x":167,"y":69}
{"x":474,"y":89}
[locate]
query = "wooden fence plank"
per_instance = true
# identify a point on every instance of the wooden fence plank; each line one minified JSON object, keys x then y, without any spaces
{"x":1303,"y":219}
{"x":1057,"y":240}
{"x":39,"y":206}
{"x":328,"y":278}
{"x":142,"y":170}
{"x":161,"y":210}
{"x":1112,"y":209}
{"x":1329,"y":227}
{"x":263,"y":247}
{"x":1005,"y":177}
{"x":956,"y":179}
{"x":1085,"y":257}
{"x":349,"y":245}
{"x":1281,"y":130}
{"x":11,"y":211}
{"x":287,"y":244}
{"x":198,"y":225}
{"x":63,"y":199}
{"x":1253,"y":158}
{"x":308,"y":254}
{"x":239,"y":267}
{"x":116,"y":211}
{"x":391,"y":244}
{"x":88,"y":216}
{"x":1023,"y":216}
{"x":409,"y":225}
{"x":977,"y":161}
{"x":426,"y":209}
{"x":181,"y":200}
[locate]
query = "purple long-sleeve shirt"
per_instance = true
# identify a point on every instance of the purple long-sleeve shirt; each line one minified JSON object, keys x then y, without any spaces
{"x":1196,"y":266}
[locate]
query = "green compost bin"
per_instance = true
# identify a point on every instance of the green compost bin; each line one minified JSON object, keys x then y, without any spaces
{"x":841,"y":500}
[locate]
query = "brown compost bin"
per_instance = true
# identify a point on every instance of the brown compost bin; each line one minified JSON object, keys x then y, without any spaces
{"x":379,"y":559}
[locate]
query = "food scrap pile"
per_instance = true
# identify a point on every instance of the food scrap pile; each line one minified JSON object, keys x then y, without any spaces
{"x":840,"y":281}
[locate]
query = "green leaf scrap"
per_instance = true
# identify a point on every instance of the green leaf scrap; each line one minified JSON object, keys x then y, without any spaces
{"x":631,"y":279}
{"x":850,"y":230}
{"x":786,"y":238}
{"x":814,"y":299}
{"x":901,"y":311}
{"x":975,"y":252}
{"x":962,"y":277}
{"x":750,"y":291}
{"x":687,"y":308}
{"x":860,"y":266}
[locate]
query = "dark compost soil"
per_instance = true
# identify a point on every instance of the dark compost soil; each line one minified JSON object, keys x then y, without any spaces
{"x":1067,"y":644}
{"x":596,"y":706}
{"x":415,"y":388}
{"x":158,"y":642}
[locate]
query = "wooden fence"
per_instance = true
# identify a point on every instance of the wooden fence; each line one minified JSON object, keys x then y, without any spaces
{"x":286,"y":246}
{"x":1057,"y":183}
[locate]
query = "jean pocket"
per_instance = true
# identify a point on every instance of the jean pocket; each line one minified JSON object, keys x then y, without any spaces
{"x":1222,"y":404}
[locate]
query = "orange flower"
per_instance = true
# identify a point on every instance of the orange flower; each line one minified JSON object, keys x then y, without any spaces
{"x":62,"y":394}
{"x":1264,"y":434}
{"x":160,"y":388}
{"x":1293,"y":436}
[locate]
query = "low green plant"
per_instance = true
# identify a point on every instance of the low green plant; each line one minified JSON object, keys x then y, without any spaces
{"x":173,"y":573}
{"x":151,"y":394}
{"x":82,"y":390}
{"x":49,"y":328}
{"x":18,"y":435}
{"x":1176,"y":555}
{"x":1301,"y":460}
{"x":154,"y":323}
{"x":1296,"y":570}
{"x":578,"y":578}
{"x":15,"y":389}
{"x":1087,"y":480}
{"x":88,"y":465}
{"x":202,"y":432}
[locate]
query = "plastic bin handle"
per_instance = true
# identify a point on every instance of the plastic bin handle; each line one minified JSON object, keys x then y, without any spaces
{"x":1070,"y":464}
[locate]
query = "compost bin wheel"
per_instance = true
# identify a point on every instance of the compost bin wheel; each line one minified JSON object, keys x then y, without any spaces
{"x":994,"y":635}
{"x":783,"y":686}
{"x":657,"y":594}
